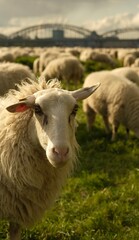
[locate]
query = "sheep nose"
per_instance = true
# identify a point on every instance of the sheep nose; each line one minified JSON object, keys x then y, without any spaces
{"x":61,"y":152}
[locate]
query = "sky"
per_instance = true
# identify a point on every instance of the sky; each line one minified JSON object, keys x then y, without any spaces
{"x":95,"y":15}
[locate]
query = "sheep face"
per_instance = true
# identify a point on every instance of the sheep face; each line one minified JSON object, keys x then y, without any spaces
{"x":53,"y":125}
{"x":54,"y":113}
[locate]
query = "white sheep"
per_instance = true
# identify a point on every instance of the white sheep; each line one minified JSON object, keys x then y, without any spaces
{"x":11,"y":74}
{"x":50,"y":53}
{"x":117,"y":101}
{"x":68,"y":69}
{"x":127,"y":72}
{"x":90,"y":54}
{"x":38,"y":149}
{"x":129,"y":59}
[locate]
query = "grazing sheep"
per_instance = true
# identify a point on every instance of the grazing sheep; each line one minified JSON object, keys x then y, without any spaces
{"x":38,"y":149}
{"x":127,"y":72}
{"x":11,"y":74}
{"x":64,"y":68}
{"x":117,"y":101}
{"x":90,"y":54}
{"x":103,"y":58}
{"x":53,"y":56}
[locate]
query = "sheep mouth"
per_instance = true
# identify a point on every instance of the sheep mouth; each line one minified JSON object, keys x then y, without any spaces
{"x":57,"y":161}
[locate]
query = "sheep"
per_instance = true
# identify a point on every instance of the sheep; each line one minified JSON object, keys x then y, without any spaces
{"x":11,"y":74}
{"x":86,"y":54}
{"x":38,"y":149}
{"x":117,"y":101}
{"x":51,"y":57}
{"x":90,"y":54}
{"x":64,"y":68}
{"x":6,"y":54}
{"x":49,"y":53}
{"x":104,"y":58}
{"x":127,"y":72}
{"x":129,"y":59}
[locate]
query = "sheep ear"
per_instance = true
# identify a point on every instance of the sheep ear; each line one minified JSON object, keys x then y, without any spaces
{"x":22,"y":105}
{"x":83,"y":93}
{"x":18,"y":107}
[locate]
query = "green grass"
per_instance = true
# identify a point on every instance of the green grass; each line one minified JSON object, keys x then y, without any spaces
{"x":101,"y":200}
{"x":26,"y":60}
{"x":93,"y":66}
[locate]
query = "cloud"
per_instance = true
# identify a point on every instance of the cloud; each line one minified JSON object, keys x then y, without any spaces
{"x":49,"y":9}
{"x":124,"y":20}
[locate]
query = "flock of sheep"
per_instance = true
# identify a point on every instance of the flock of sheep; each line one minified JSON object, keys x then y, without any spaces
{"x":38,"y":124}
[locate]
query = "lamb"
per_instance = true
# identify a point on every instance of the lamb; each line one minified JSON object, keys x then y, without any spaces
{"x":38,"y":149}
{"x":117,"y":101}
{"x":11,"y":74}
{"x":127,"y":72}
{"x":65,"y":68}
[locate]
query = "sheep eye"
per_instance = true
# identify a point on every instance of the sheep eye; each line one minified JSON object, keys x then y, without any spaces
{"x":38,"y":110}
{"x":74,"y":111}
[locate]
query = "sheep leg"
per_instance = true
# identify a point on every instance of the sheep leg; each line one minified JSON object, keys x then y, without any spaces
{"x":106,"y":122}
{"x":14,"y":231}
{"x":114,"y":131}
{"x":91,"y":115}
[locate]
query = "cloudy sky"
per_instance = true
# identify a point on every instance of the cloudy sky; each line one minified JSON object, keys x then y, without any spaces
{"x":99,"y":15}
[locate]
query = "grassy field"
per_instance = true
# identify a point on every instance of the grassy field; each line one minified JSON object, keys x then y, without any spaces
{"x":101,"y":200}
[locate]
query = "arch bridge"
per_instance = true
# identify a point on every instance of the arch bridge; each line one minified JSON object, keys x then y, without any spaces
{"x":52,"y":31}
{"x":69,"y":35}
{"x":117,"y":32}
